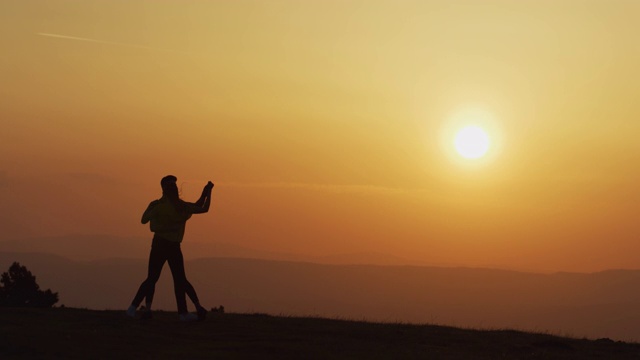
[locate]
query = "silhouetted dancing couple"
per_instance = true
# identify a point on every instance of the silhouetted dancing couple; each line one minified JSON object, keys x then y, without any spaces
{"x":168,"y":217}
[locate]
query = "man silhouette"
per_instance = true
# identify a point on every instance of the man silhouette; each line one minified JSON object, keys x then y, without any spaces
{"x":168,"y":216}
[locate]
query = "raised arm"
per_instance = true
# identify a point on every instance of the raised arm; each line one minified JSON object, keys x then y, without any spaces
{"x":203,"y":203}
{"x":205,"y":193}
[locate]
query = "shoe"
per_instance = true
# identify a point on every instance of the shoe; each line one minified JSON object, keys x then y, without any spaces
{"x":131,"y":311}
{"x":146,"y":315}
{"x":188,"y":317}
{"x":202,"y":313}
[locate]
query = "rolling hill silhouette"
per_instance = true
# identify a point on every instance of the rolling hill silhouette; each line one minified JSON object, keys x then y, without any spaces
{"x":595,"y":305}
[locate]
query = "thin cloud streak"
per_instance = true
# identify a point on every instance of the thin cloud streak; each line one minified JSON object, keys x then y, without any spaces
{"x":364,"y":189}
{"x":66,"y":37}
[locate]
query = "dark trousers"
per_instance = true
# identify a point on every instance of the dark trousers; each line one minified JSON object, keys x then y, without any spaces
{"x":163,"y":250}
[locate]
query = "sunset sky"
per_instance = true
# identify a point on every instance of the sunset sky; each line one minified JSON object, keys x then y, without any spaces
{"x":328,"y":126}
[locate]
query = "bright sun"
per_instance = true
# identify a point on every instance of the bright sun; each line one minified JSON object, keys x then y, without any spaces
{"x":472,"y":142}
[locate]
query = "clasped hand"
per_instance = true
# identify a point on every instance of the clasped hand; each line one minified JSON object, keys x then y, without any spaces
{"x":207,"y":189}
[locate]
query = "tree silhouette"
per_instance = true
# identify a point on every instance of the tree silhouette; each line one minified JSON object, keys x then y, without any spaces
{"x":19,"y":289}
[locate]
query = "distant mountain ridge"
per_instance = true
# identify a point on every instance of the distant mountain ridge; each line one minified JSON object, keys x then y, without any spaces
{"x":597,"y":305}
{"x":95,"y":247}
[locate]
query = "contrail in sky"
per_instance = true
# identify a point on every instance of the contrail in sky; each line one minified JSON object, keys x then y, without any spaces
{"x":101,"y":41}
{"x":315,"y":187}
{"x":320,"y":187}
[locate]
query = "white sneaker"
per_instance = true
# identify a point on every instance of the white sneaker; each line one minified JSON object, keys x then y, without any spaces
{"x":188,"y":317}
{"x":131,"y":311}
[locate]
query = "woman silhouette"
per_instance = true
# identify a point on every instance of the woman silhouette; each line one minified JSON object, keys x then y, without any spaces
{"x":168,"y":217}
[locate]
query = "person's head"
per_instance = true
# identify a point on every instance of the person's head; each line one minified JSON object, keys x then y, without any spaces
{"x":169,"y":186}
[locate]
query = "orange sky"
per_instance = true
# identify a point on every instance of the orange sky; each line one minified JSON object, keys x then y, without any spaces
{"x":324,"y":125}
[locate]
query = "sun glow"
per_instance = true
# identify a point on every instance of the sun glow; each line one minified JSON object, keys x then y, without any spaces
{"x":472,"y":142}
{"x":471,"y":136}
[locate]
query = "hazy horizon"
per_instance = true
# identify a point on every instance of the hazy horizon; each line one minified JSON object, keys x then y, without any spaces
{"x":82,"y":248}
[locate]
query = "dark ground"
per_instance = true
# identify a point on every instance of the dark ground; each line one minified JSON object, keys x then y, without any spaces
{"x":67,"y":333}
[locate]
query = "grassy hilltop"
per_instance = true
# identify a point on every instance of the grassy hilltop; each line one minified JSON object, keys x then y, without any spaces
{"x":75,"y":333}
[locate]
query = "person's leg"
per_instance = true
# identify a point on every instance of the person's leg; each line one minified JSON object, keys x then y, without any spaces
{"x":157,"y":257}
{"x":176,"y":264}
{"x":191,"y":292}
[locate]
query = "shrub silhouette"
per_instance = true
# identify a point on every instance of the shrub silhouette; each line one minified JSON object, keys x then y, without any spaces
{"x":19,"y":289}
